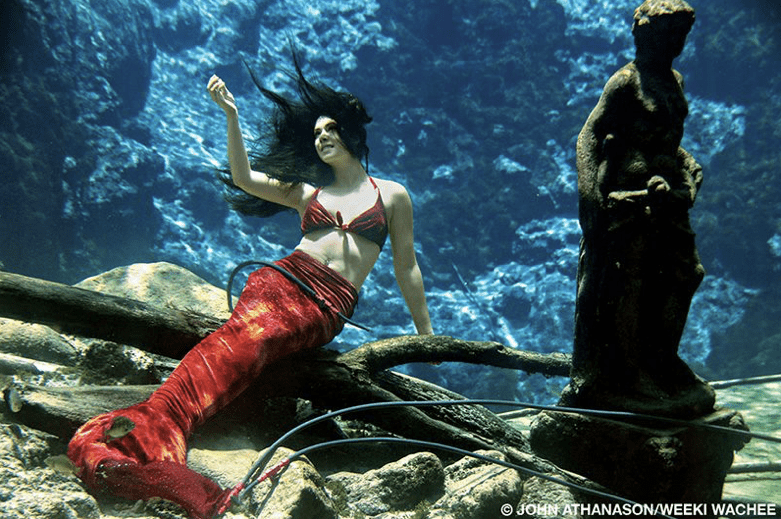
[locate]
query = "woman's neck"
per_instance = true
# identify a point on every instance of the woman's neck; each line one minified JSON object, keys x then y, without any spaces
{"x":349,"y":174}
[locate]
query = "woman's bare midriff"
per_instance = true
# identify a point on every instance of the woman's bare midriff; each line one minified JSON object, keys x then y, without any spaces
{"x":352,"y":256}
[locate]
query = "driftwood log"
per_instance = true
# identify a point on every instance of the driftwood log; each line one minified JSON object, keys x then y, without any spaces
{"x":167,"y":331}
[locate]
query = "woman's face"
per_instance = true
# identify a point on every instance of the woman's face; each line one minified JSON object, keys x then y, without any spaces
{"x":328,"y":143}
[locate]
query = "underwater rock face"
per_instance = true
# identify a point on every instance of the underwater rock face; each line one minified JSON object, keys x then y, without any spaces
{"x":72,"y":72}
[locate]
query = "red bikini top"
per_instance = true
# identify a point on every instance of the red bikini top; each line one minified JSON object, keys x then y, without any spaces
{"x":372,"y":224}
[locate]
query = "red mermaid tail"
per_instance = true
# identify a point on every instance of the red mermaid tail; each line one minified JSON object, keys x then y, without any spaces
{"x":273,"y":318}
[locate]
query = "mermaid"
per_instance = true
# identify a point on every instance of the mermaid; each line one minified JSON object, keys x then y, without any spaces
{"x":314,"y":160}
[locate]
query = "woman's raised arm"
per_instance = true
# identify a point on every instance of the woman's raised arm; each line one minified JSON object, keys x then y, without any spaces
{"x":253,"y":182}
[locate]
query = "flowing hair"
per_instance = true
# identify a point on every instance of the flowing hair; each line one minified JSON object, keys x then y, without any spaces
{"x":285,"y":150}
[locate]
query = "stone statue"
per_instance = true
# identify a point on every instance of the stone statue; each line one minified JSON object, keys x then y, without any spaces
{"x":639,"y":266}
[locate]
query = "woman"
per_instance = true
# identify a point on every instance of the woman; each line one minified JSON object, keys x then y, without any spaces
{"x":319,"y":140}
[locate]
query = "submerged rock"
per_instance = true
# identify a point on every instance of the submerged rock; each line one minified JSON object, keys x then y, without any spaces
{"x":542,"y":498}
{"x":31,"y":489}
{"x":162,"y":284}
{"x":475,"y":488}
{"x":401,"y":485}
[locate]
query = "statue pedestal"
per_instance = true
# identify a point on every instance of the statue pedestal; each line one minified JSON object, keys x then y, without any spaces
{"x":642,"y":461}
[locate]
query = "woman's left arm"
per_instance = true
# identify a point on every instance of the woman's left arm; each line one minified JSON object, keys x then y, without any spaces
{"x":405,"y":263}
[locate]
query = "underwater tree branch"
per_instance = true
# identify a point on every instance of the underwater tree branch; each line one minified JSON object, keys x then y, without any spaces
{"x":395,"y":351}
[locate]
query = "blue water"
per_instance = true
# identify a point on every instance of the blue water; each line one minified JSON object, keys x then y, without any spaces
{"x":477,"y":106}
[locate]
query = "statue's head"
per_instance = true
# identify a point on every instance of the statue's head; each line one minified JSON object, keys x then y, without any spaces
{"x":662,"y":25}
{"x":651,"y":9}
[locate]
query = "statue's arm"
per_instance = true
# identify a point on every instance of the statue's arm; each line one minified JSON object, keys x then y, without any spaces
{"x":602,"y":144}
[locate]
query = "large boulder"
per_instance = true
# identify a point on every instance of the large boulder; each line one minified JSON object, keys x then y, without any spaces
{"x":161,"y":284}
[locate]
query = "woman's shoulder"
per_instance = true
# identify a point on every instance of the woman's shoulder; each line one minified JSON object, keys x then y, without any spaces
{"x":390,"y":189}
{"x":395,"y":198}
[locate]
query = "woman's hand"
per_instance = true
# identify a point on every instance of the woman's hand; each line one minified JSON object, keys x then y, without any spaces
{"x":221,"y":95}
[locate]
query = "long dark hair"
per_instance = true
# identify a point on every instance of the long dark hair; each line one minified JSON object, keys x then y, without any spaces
{"x":285,"y":149}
